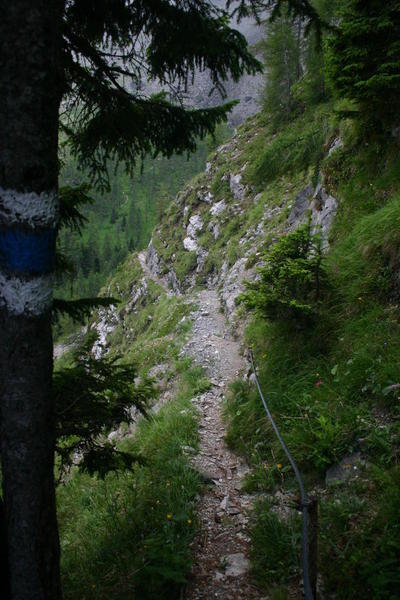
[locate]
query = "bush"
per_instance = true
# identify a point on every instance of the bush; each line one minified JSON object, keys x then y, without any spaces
{"x":92,"y":397}
{"x":293,"y":280}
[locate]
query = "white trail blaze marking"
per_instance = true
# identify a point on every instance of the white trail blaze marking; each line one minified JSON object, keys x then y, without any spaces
{"x":31,"y":297}
{"x":29,"y":208}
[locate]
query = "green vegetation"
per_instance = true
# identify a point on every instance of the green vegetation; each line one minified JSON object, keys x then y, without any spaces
{"x":129,"y":534}
{"x":325,"y":332}
{"x":274,"y":544}
{"x":292,"y":281}
{"x":285,"y":160}
{"x":364,"y":60}
{"x":121,"y":220}
{"x":333,"y":385}
{"x":297,"y":146}
{"x":294,"y":58}
{"x":331,"y":382}
{"x":92,"y":396}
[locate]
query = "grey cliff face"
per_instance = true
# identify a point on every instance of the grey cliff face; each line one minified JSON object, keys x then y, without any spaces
{"x":248,"y":90}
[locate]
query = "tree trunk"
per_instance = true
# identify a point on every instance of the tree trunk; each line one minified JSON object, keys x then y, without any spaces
{"x":30,"y":93}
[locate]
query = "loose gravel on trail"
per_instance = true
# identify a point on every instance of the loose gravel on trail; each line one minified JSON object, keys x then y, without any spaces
{"x":221,"y":548}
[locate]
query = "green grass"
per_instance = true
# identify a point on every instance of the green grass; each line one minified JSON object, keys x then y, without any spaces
{"x":273,"y":550}
{"x":294,"y":148}
{"x":329,"y":385}
{"x":128,"y":535}
{"x":360,"y":536}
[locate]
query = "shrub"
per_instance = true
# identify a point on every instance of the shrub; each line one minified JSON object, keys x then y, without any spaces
{"x":292,"y":281}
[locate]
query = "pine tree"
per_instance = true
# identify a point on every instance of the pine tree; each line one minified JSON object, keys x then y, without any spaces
{"x":364,"y":59}
{"x":282,"y":49}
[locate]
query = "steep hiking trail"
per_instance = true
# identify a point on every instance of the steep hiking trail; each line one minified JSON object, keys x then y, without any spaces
{"x":221,"y":547}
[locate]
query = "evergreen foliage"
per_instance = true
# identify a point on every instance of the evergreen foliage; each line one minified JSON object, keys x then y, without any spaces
{"x":292,"y":281}
{"x":364,"y":59}
{"x":313,"y":87}
{"x":282,"y":51}
{"x":110,"y":47}
{"x":303,"y":9}
{"x":91,"y":397}
{"x":95,"y":249}
{"x":80,"y":309}
{"x":295,"y":62}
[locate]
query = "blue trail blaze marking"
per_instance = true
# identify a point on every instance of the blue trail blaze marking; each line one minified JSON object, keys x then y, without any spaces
{"x":27,"y":252}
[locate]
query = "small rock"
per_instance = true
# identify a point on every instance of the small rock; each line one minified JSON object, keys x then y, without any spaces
{"x":208,"y":476}
{"x":224,"y":503}
{"x":346,"y":470}
{"x":190,"y":244}
{"x":252,"y":379}
{"x":188,"y":450}
{"x":237,"y":188}
{"x":219,"y":515}
{"x":234,"y":510}
{"x":237,"y":564}
{"x":257,"y":198}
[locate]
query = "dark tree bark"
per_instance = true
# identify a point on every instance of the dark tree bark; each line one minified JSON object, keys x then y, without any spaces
{"x":30,"y":93}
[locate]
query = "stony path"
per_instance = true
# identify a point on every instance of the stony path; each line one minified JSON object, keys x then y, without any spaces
{"x":221,"y":548}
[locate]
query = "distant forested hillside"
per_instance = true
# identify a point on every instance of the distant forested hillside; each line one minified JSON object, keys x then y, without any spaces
{"x":122,"y":219}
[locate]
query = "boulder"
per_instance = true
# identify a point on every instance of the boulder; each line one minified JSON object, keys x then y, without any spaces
{"x":299,"y":213}
{"x":324,"y":208}
{"x":218,"y":208}
{"x":190,"y":244}
{"x":347,"y":469}
{"x":195,"y":225}
{"x":237,"y":188}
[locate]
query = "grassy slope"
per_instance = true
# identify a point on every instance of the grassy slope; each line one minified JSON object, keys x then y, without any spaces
{"x":286,"y":163}
{"x":129,"y":535}
{"x":353,"y":353}
{"x":354,"y":350}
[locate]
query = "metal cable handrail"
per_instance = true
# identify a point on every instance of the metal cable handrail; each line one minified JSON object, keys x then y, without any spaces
{"x":304,"y":502}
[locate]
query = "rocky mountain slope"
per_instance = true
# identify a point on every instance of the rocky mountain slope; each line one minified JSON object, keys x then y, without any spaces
{"x":200,"y":92}
{"x":214,"y":231}
{"x":330,"y":385}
